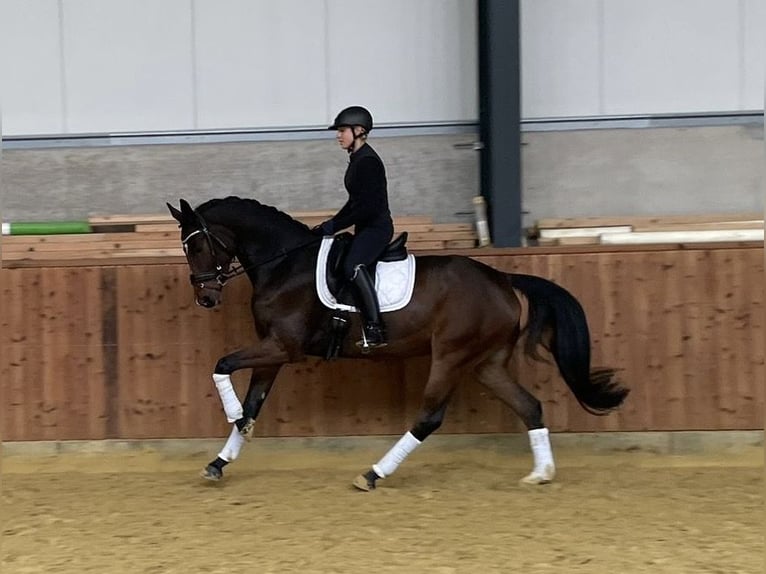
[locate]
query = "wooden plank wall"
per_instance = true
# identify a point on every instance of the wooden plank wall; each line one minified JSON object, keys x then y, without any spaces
{"x":123,"y":352}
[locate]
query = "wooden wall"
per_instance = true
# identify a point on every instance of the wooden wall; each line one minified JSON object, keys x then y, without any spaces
{"x":123,"y":352}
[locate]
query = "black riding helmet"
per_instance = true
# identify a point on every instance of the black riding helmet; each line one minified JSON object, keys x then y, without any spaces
{"x":353,"y":116}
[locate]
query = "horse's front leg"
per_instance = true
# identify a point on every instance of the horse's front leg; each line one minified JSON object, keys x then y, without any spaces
{"x":261,"y":382}
{"x":260,"y":386}
{"x":265,"y":363}
{"x":269,"y":355}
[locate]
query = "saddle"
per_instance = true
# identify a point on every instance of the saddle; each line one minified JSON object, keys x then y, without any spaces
{"x":396,"y":251}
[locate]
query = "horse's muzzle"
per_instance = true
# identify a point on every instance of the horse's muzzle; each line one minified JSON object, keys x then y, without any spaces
{"x":207,"y":298}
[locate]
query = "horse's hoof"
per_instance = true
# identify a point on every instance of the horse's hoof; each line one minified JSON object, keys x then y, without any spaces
{"x":366,"y":481}
{"x":361,"y":483}
{"x":211,"y":473}
{"x":538,"y":477}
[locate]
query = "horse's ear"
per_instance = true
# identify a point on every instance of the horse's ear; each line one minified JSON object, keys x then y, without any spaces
{"x":177,"y":215}
{"x":186,"y":210}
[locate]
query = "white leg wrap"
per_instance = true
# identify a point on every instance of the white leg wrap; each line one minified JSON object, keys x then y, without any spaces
{"x":233,"y":445}
{"x":231,"y":405}
{"x":542,"y":454}
{"x":394,"y":457}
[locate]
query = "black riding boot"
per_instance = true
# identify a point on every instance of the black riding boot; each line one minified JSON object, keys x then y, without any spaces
{"x":373,"y":333}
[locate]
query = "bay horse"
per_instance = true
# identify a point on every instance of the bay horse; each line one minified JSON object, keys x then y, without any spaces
{"x":463,"y":313}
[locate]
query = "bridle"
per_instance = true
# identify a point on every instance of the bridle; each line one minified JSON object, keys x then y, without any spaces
{"x":221,"y":276}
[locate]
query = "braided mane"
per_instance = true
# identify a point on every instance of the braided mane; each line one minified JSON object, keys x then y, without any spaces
{"x":247,"y":212}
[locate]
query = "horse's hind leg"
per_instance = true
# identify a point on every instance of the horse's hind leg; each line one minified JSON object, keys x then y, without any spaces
{"x":493,"y":374}
{"x":428,"y":422}
{"x":437,"y":394}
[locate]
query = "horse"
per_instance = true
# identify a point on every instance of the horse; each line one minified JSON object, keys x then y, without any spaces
{"x":463,"y":313}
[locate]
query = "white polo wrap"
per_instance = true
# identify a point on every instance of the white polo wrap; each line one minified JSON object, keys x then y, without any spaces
{"x":394,"y":457}
{"x":233,"y":445}
{"x":231,"y":405}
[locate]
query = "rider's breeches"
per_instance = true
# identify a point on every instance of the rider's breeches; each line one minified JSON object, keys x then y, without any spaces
{"x":366,"y":247}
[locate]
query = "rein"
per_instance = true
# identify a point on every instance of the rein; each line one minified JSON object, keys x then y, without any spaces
{"x":220,"y":275}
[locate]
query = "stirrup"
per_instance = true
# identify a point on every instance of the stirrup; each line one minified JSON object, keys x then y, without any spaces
{"x":373,"y":336}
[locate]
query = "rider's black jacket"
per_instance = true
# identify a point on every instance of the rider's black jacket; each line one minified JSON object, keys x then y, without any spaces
{"x":367,"y":205}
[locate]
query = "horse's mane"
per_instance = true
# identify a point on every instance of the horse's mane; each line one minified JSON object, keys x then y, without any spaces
{"x":248,"y":209}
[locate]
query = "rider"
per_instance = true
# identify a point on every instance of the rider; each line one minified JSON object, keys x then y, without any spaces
{"x":367,"y":210}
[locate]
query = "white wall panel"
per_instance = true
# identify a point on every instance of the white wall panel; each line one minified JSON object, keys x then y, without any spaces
{"x":260,"y":63}
{"x":754,"y":47}
{"x":666,"y":57}
{"x":560,"y":58}
{"x":30,"y":70}
{"x":149,"y":65}
{"x":128,"y":65}
{"x":408,"y":61}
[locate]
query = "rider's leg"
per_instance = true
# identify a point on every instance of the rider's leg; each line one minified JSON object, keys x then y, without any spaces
{"x":366,"y":247}
{"x":367,"y":299}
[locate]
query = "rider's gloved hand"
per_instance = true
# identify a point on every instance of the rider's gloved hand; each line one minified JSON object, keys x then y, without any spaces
{"x":324,"y":228}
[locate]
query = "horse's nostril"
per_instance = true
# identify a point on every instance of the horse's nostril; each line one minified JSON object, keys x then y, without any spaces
{"x":206,"y":302}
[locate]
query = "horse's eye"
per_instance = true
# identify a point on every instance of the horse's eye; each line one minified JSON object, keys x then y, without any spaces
{"x":193,"y":249}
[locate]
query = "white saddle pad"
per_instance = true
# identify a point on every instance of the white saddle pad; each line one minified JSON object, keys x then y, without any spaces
{"x":394,"y":282}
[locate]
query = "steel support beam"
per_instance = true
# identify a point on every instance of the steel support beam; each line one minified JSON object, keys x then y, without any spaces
{"x":500,"y":118}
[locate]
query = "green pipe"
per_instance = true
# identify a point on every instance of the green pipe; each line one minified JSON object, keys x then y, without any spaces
{"x":45,"y":227}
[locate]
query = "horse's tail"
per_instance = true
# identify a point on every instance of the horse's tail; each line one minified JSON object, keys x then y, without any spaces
{"x":554,"y":312}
